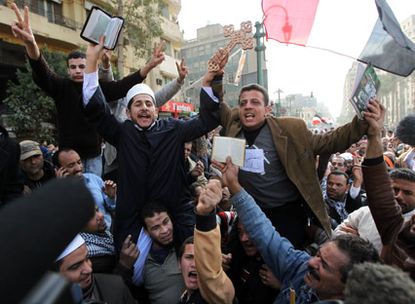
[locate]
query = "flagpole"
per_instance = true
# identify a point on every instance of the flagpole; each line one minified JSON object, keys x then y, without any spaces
{"x":259,"y":49}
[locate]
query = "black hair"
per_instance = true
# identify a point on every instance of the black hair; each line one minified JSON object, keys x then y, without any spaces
{"x":189,"y":240}
{"x":150,"y":209}
{"x":338,"y":172}
{"x":358,"y":250}
{"x":255,"y":87}
{"x":55,"y":156}
{"x":403,"y":173}
{"x":75,"y":55}
{"x":405,"y":130}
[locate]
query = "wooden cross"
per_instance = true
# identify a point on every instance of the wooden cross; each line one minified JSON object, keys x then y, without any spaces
{"x":243,"y":37}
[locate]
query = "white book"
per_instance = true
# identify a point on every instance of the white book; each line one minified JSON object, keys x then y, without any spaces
{"x":229,"y":146}
{"x":100,"y":23}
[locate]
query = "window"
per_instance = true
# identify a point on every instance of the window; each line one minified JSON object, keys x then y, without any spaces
{"x":165,"y":12}
{"x":168,"y":48}
{"x":51,"y":9}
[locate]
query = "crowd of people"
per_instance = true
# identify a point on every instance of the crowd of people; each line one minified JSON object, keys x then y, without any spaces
{"x":311,"y":217}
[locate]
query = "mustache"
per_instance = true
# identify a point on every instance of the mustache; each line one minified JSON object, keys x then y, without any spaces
{"x":314,"y":273}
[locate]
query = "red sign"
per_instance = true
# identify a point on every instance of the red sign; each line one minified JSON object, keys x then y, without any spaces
{"x":176,"y":107}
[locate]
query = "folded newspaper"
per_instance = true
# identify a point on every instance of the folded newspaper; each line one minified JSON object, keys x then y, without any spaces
{"x":365,"y":87}
{"x":100,"y":23}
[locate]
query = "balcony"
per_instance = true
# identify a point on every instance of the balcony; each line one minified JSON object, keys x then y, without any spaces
{"x":53,"y":12}
{"x":168,"y":67}
{"x":171,"y":31}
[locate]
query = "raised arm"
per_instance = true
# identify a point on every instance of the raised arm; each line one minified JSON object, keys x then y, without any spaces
{"x":118,"y":89}
{"x":278,"y":253}
{"x":96,"y":109}
{"x":209,"y":104}
{"x":105,"y":69}
{"x":385,"y":210}
{"x":157,"y":57}
{"x":171,"y":89}
{"x":214,"y":284}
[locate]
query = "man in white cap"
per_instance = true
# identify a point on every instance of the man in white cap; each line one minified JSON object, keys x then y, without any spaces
{"x":150,"y":151}
{"x":73,"y":263}
{"x":36,"y":170}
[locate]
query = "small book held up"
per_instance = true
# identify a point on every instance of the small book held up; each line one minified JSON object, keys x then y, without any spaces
{"x":366,"y":86}
{"x":229,"y":146}
{"x":100,"y":23}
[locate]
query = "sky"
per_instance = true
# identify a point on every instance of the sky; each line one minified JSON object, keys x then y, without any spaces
{"x":340,"y":25}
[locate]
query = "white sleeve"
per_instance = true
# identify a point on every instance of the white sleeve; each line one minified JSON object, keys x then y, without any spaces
{"x":89,"y":86}
{"x":354,"y":191}
{"x":209,"y":91}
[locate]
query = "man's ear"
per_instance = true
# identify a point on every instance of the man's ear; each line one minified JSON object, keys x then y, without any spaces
{"x":268,"y":109}
{"x":127,"y":111}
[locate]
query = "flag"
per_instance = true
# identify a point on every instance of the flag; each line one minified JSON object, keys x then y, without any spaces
{"x":289,"y":21}
{"x":316,"y":120}
{"x":388,"y":48}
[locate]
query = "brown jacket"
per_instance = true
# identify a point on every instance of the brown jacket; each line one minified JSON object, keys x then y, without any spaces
{"x":297,"y":148}
{"x":398,"y":249}
{"x":214,"y":284}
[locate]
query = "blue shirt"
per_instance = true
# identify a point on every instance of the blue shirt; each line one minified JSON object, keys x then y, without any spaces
{"x":95,"y":184}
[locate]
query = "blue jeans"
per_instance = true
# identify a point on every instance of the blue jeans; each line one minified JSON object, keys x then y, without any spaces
{"x":93,"y":165}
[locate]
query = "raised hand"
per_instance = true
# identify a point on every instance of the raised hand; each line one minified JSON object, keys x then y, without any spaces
{"x":93,"y":53}
{"x":157,"y":57}
{"x":110,"y":189}
{"x":105,"y":58}
{"x":210,"y":196}
{"x":229,"y":174}
{"x":216,"y":66}
{"x":182,"y":70}
{"x":21,"y":29}
{"x":129,"y":253}
{"x":375,"y":117}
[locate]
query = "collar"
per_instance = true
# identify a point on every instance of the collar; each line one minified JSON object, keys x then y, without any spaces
{"x":148,"y":129}
{"x":407,"y":216}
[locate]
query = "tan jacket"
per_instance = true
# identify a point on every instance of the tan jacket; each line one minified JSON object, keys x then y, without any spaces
{"x":214,"y":285}
{"x":297,"y":148}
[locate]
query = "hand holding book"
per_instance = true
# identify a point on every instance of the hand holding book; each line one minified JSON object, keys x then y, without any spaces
{"x":365,"y":87}
{"x":100,"y":23}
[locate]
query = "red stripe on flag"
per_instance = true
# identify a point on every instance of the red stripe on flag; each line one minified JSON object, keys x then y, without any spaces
{"x":289,"y":21}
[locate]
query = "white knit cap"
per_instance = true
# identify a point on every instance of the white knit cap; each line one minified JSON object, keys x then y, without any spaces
{"x":140,"y":88}
{"x":77,"y":242}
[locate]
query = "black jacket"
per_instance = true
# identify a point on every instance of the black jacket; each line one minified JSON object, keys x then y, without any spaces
{"x":151,"y":162}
